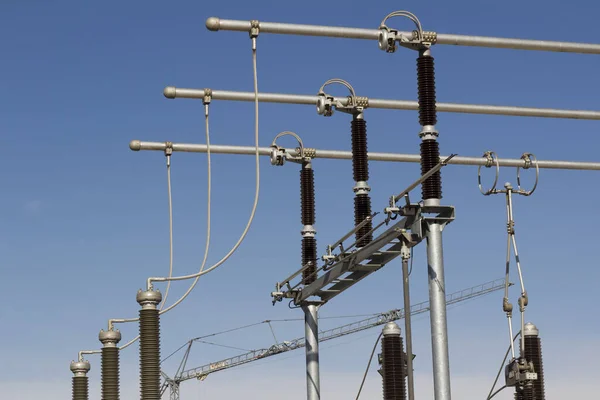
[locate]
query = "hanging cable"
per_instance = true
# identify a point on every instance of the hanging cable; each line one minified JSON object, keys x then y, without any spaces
{"x":368,"y":366}
{"x":250,"y":220}
{"x":244,"y":233}
{"x":501,"y":368}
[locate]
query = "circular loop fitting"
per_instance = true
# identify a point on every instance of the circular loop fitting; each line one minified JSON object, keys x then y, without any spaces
{"x":528,"y":158}
{"x":324,"y":107}
{"x":284,"y":133}
{"x":384,"y":30}
{"x":492,"y":158}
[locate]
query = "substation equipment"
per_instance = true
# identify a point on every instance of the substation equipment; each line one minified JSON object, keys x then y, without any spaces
{"x":377,"y":237}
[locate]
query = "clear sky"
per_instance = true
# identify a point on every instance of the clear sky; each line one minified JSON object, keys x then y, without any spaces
{"x":84,"y":221}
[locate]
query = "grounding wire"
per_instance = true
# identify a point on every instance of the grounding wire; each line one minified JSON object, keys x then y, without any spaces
{"x":368,"y":365}
{"x":490,"y":395}
{"x":250,"y":220}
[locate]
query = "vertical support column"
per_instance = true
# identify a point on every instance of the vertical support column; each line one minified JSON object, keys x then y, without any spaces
{"x":311,"y":334}
{"x":437,"y":313}
{"x":149,"y":344}
{"x":431,"y":190}
{"x":80,"y":379}
{"x":407,"y":323}
{"x":110,"y":363}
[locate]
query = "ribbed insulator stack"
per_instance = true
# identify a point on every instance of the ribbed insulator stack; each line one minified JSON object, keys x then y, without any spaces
{"x":360,"y":168}
{"x":110,"y":373}
{"x":149,"y":344}
{"x":307,"y":204}
{"x":110,"y":364}
{"x":533,"y":354}
{"x":393,"y":364}
{"x":80,"y":380}
{"x":430,"y":149}
{"x":80,"y":388}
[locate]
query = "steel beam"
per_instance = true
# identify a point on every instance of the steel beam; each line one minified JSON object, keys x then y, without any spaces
{"x":172,"y":92}
{"x":137,"y":145}
{"x":216,"y":24}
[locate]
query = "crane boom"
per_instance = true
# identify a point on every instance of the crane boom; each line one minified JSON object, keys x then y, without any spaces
{"x":371,"y":322}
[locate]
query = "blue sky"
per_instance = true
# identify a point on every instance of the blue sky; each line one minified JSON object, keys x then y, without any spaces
{"x":84,"y":219}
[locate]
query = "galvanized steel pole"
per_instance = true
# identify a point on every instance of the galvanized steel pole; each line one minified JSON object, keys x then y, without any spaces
{"x":311,"y":334}
{"x":216,"y":24}
{"x":172,"y":92}
{"x":437,"y":313}
{"x":137,"y":145}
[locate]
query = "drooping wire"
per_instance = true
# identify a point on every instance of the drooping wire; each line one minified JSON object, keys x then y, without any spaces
{"x":490,"y":395}
{"x":497,"y":391}
{"x":250,"y":220}
{"x":170,"y":206}
{"x":164,"y":301}
{"x":368,"y":365}
{"x":252,"y":214}
{"x":208,"y":225}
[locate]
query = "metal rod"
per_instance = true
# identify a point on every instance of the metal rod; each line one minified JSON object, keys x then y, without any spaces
{"x":311,"y":334}
{"x":437,"y":314}
{"x":137,"y":145}
{"x":216,"y":24}
{"x":407,"y":326}
{"x":171,"y":92}
{"x":423,"y":178}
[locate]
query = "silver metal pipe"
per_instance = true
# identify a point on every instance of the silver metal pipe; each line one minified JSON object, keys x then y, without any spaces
{"x":216,"y":24}
{"x":311,"y":334}
{"x":172,"y":92}
{"x":408,"y":329}
{"x":137,"y":145}
{"x":437,"y":314}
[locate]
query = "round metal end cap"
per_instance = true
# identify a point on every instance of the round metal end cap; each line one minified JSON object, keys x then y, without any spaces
{"x":530,"y":330}
{"x":148,"y":296}
{"x":113,"y":336}
{"x":391,"y":328}
{"x":213,"y":23}
{"x":170,"y":92}
{"x":135,"y":145}
{"x":80,"y":366}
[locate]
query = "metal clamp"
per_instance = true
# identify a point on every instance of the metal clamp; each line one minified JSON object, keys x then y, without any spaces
{"x":528,"y":158}
{"x":417,"y":41}
{"x":279,"y":155}
{"x":327,"y":104}
{"x":492,"y":158}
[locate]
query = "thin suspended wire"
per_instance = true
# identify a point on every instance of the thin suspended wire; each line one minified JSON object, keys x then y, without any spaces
{"x":173,"y":353}
{"x":222,"y":345}
{"x":368,"y":365}
{"x":490,"y":395}
{"x":254,"y":207}
{"x":164,"y":301}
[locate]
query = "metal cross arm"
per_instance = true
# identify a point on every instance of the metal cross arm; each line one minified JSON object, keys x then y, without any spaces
{"x":172,"y":92}
{"x":217,"y":24}
{"x":137,"y":145}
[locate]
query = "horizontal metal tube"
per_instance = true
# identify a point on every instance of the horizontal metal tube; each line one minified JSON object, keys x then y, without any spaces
{"x":137,"y":145}
{"x":173,"y":92}
{"x":215,"y":24}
